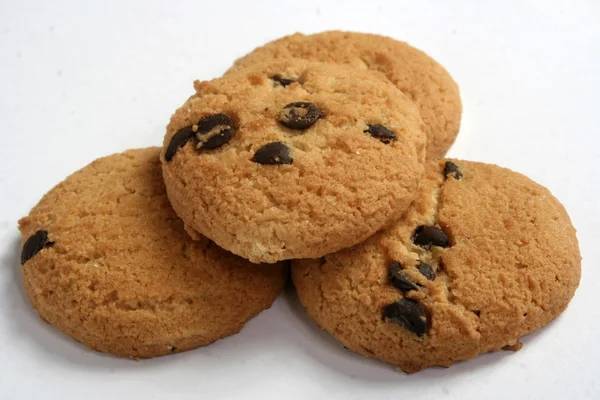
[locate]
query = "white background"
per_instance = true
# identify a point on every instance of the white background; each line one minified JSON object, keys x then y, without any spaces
{"x":80,"y":80}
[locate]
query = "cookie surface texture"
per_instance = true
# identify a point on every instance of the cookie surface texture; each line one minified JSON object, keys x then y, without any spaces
{"x":321,"y":157}
{"x":419,"y":76}
{"x":114,"y":268}
{"x":475,"y":263}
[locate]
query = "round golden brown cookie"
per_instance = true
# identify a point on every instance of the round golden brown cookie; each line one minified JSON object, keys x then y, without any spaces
{"x":483,"y":257}
{"x":106,"y":260}
{"x":293,"y":159}
{"x":420,"y":77}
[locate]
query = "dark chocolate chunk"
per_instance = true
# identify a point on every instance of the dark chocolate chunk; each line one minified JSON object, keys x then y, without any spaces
{"x":451,"y":169}
{"x":300,"y":115}
{"x":178,"y":140}
{"x":407,"y":313}
{"x":399,"y":279}
{"x":282,"y":81}
{"x":273,"y":153}
{"x":382,"y":133}
{"x":427,"y":236}
{"x":214,"y":131}
{"x":426,"y":271}
{"x":34,"y":244}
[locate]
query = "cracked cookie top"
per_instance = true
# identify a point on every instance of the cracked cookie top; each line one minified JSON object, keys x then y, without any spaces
{"x":416,"y":74}
{"x":482,"y":257}
{"x":106,"y":259}
{"x":293,"y":159}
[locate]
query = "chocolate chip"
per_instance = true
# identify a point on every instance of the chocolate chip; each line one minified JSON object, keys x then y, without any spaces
{"x":178,"y":140}
{"x":34,"y":244}
{"x":282,"y":81}
{"x":399,"y":279}
{"x":426,"y":271}
{"x":300,"y":115}
{"x":214,"y":131}
{"x":451,"y":169}
{"x":273,"y":153}
{"x":407,"y":313}
{"x":382,"y":133}
{"x":427,"y":236}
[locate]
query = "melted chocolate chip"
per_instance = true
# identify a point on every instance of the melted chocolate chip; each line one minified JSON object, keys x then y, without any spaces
{"x":382,"y":133}
{"x":214,"y":131}
{"x":399,"y":279}
{"x":282,"y":81}
{"x":426,"y":271}
{"x":273,"y":153}
{"x":34,"y":245}
{"x":451,"y":169}
{"x":427,"y":236}
{"x":178,"y":141}
{"x":407,"y":313}
{"x":300,"y":115}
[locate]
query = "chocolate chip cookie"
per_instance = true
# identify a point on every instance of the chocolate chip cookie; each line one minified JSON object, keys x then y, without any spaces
{"x":420,"y":77}
{"x":293,"y":159}
{"x":483,"y":257}
{"x":107,"y":261}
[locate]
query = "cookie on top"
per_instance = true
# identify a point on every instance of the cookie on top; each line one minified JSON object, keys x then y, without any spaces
{"x":293,"y":159}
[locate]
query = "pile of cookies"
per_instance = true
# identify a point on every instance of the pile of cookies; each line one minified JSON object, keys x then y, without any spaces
{"x":319,"y":154}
